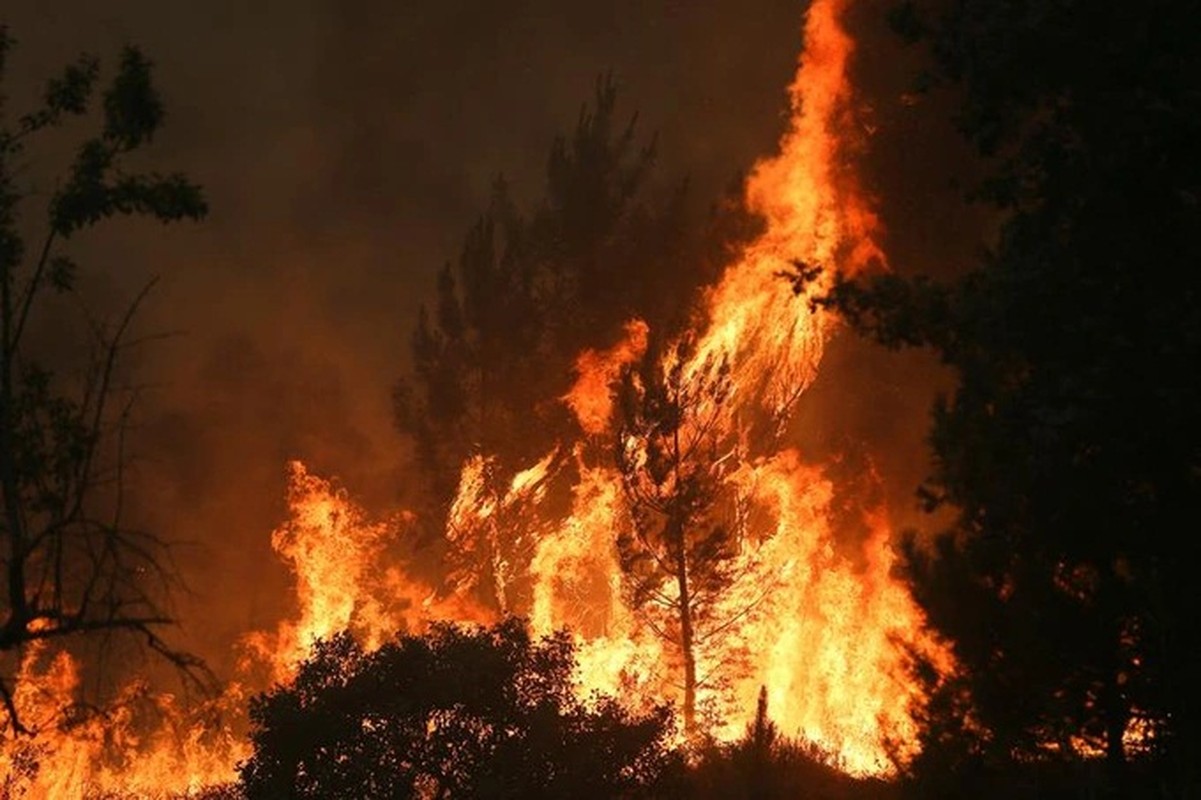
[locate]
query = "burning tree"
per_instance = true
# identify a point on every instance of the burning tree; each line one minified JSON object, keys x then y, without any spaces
{"x":673,"y":453}
{"x":527,"y":290}
{"x":69,"y":563}
{"x":532,"y":287}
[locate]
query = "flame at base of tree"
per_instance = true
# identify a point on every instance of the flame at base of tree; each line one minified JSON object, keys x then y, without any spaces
{"x":826,"y":637}
{"x":825,"y":633}
{"x":785,"y":604}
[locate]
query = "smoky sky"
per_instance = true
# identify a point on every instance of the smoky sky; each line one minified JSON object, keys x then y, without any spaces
{"x":344,"y":149}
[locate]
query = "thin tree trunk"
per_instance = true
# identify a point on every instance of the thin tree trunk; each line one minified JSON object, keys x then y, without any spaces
{"x":678,"y":535}
{"x":9,"y":483}
{"x":686,"y":644}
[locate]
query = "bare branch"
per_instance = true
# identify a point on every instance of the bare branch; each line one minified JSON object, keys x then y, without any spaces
{"x":31,"y":289}
{"x":10,"y":706}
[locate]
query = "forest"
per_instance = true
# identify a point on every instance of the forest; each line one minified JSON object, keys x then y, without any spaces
{"x":740,"y":492}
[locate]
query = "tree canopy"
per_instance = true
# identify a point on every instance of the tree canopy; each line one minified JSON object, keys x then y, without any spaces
{"x":1070,"y":444}
{"x":532,"y":288}
{"x":678,"y":555}
{"x":69,"y":563}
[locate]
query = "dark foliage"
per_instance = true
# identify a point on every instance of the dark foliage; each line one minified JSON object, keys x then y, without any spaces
{"x":455,"y":713}
{"x":1070,"y":446}
{"x":69,"y":564}
{"x":531,"y":289}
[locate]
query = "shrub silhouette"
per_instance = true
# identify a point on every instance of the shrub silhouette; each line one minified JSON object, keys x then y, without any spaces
{"x":457,"y":712}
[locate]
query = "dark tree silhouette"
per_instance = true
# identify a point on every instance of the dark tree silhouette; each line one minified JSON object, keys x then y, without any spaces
{"x":531,"y":289}
{"x":1070,"y":446}
{"x":456,"y":713}
{"x":526,"y":290}
{"x":69,"y":564}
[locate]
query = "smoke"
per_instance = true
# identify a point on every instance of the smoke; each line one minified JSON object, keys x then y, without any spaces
{"x":345,"y":148}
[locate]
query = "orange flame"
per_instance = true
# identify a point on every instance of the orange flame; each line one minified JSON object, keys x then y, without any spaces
{"x":825,"y":631}
{"x":142,"y":744}
{"x":824,"y":628}
{"x":335,"y":553}
{"x":591,"y":398}
{"x":816,"y":216}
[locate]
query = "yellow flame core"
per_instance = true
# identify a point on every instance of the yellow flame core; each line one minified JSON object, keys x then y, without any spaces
{"x":346,"y":579}
{"x":823,"y":629}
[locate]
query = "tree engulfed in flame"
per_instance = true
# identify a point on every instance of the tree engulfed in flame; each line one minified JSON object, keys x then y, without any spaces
{"x":822,"y":625}
{"x":827,"y":632}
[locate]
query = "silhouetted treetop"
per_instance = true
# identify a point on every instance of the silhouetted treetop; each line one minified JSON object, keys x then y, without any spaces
{"x":495,"y":349}
{"x":1070,"y":447}
{"x":70,"y":564}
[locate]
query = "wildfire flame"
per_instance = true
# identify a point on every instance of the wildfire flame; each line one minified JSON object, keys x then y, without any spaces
{"x":824,"y":631}
{"x":823,"y":626}
{"x":336,"y":554}
{"x":816,"y":216}
{"x":143,"y":744}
